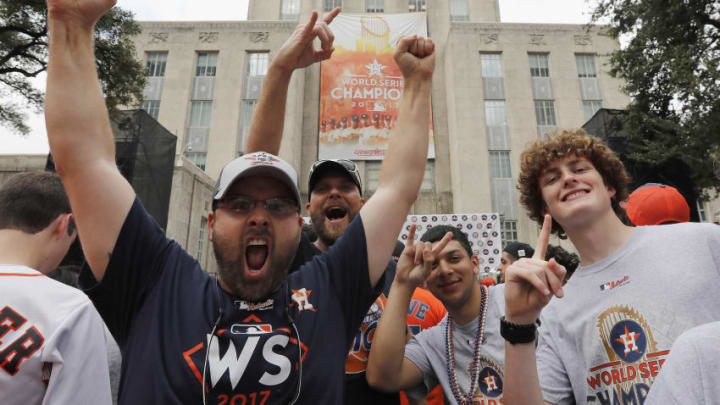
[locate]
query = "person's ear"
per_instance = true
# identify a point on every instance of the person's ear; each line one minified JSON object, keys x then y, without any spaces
{"x":211,"y":224}
{"x":611,"y":191}
{"x":63,"y":225}
{"x":476,"y":264}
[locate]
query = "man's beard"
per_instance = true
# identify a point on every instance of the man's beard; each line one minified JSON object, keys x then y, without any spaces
{"x":232,"y":271}
{"x":326,"y":235}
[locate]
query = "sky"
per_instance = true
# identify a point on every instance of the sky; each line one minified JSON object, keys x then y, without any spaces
{"x":523,"y":11}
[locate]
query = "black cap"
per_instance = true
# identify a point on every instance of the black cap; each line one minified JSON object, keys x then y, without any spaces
{"x":323,"y":167}
{"x":519,"y":250}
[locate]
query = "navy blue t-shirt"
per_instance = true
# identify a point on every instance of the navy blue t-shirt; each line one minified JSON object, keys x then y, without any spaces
{"x":161,"y":307}
{"x":357,"y":390}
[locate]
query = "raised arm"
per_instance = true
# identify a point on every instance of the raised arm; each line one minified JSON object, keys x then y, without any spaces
{"x":529,"y":286}
{"x":388,"y":369}
{"x":79,"y":131}
{"x":297,"y":52}
{"x":404,"y":166}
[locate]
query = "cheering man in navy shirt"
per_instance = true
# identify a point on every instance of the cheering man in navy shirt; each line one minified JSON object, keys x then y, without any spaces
{"x":254,"y":335}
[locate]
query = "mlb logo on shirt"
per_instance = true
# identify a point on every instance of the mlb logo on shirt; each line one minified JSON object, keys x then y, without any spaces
{"x":614,"y":284}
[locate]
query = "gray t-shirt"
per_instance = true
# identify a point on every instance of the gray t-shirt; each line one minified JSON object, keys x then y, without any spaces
{"x":427,"y":351}
{"x":607,"y":339}
{"x":691,"y":375}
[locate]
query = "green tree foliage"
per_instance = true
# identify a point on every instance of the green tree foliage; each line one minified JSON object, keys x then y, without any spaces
{"x":671,"y":70}
{"x":24,"y":54}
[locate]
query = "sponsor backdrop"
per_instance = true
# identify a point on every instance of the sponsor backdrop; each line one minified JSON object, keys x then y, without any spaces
{"x":361,"y":85}
{"x":482,"y":230}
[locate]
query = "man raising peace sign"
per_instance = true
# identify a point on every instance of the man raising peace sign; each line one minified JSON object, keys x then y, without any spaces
{"x":605,"y":340}
{"x":464,"y":352}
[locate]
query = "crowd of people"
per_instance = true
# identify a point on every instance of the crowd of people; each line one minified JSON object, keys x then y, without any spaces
{"x":347,"y":316}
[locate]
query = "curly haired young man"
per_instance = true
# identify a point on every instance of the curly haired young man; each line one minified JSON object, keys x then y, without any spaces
{"x":606,"y":339}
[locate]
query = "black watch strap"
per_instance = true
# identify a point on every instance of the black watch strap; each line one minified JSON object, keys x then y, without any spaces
{"x":515,"y":333}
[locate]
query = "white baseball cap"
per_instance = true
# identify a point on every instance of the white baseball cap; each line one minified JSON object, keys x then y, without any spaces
{"x":256,"y":164}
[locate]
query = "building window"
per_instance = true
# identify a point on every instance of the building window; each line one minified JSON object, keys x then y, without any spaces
{"x":198,"y":158}
{"x":416,"y":6}
{"x":375,"y":6}
{"x":459,"y":10}
{"x":198,"y":132}
{"x":201,"y":240}
{"x":155,"y":71}
{"x":545,"y":112}
{"x":508,"y":232}
{"x":246,"y":113}
{"x":491,"y":66}
{"x":330,"y":5}
{"x":257,"y":65}
{"x":152,"y":107}
{"x":495,"y":113}
{"x":539,"y":65}
{"x":290,"y":10}
{"x":200,"y":112}
{"x":585,"y":65}
{"x":590,"y":107}
{"x":206,"y":64}
{"x":155,"y":64}
{"x":500,"y":164}
{"x":589,"y":87}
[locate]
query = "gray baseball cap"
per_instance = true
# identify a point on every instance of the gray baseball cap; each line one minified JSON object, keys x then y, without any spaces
{"x":257,"y":164}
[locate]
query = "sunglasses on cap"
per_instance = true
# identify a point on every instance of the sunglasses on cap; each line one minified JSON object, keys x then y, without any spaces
{"x":349,"y":165}
{"x":350,"y":168}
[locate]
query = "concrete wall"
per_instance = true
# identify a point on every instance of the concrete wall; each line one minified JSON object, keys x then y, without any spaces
{"x":13,"y":164}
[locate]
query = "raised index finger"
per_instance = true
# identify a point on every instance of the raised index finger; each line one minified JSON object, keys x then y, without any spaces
{"x":311,"y":24}
{"x":411,"y":237}
{"x":543,"y":239}
{"x":331,"y":15}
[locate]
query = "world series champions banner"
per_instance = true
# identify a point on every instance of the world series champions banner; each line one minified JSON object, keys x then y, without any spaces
{"x":482,"y":230}
{"x":361,"y":86}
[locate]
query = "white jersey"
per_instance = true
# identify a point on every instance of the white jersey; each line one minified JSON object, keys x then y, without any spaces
{"x":52,"y":342}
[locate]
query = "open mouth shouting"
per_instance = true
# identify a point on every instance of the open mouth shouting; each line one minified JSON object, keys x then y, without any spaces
{"x":335,"y":214}
{"x":256,"y":257}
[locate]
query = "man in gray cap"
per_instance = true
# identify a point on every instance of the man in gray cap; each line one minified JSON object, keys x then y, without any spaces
{"x":254,"y":334}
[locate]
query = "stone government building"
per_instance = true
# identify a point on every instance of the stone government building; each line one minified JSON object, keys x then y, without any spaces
{"x":497,"y":86}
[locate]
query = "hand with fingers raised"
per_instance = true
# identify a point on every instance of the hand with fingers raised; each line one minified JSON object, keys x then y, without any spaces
{"x":415,"y":56}
{"x":531,"y":283}
{"x":299,"y":52}
{"x":417,"y":260}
